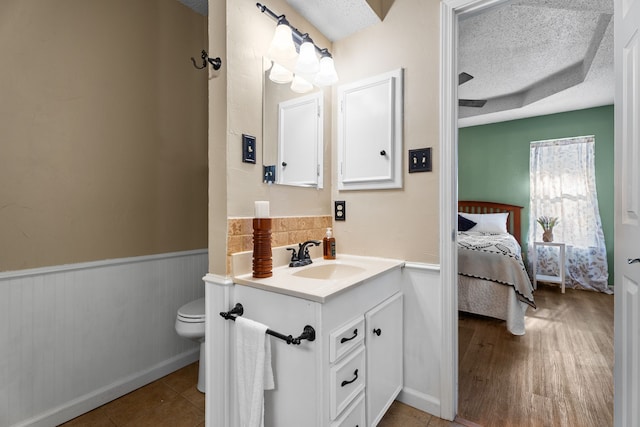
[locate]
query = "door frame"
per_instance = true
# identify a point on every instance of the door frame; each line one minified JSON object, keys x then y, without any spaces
{"x":450,"y":12}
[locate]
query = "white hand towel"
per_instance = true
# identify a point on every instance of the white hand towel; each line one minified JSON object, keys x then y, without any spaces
{"x":253,"y":370}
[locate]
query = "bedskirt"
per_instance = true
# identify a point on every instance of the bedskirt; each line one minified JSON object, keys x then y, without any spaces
{"x":492,"y":299}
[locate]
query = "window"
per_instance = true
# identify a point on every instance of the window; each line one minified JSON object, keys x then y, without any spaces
{"x":563,"y":185}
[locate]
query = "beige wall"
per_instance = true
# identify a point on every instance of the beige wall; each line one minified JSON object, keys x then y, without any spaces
{"x":393,"y":223}
{"x":218,"y":140}
{"x":103,"y":130}
{"x":397,"y":223}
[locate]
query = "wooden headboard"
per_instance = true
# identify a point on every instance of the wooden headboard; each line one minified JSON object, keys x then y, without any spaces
{"x":513,"y":220}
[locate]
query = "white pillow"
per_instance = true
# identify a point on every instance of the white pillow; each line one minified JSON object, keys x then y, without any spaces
{"x":488,"y":223}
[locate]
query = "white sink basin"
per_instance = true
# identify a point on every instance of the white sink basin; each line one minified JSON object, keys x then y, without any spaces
{"x":329,"y":271}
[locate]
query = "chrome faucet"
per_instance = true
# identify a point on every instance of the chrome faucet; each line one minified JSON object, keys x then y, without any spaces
{"x":302,"y":257}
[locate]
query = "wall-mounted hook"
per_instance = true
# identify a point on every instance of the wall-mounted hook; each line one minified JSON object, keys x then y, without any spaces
{"x":216,"y":63}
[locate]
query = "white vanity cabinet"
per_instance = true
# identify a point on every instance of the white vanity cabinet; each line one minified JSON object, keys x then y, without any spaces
{"x":350,"y":374}
{"x":374,"y":339}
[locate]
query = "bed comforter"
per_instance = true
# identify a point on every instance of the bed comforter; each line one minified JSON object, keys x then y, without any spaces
{"x":497,"y":258}
{"x":493,"y":279}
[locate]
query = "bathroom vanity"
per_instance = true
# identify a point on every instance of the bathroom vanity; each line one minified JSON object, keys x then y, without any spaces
{"x":352,"y":371}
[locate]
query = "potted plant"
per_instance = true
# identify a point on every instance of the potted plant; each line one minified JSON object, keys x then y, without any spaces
{"x":547,"y":223}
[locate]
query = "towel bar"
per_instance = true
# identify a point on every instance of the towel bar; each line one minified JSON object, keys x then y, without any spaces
{"x":308,"y":332}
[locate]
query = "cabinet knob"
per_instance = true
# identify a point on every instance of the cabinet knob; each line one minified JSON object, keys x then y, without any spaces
{"x":377,"y":331}
{"x":383,"y":153}
{"x":284,"y":164}
{"x":633,"y":261}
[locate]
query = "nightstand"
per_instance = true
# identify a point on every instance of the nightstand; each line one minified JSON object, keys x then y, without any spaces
{"x":543,"y":277}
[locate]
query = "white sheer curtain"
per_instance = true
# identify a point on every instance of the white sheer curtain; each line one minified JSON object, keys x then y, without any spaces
{"x":563,"y":185}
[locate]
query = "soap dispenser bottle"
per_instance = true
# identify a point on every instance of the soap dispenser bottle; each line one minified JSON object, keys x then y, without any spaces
{"x":329,"y":245}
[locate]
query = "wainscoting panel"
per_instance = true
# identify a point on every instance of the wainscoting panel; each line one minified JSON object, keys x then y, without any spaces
{"x":421,"y":286}
{"x":76,"y":336}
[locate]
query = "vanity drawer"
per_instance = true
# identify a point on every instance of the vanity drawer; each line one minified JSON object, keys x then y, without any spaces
{"x":347,"y":381}
{"x":354,"y":415}
{"x":346,"y":338}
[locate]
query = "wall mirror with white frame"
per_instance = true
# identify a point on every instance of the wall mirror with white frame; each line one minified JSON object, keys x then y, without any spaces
{"x":293,"y":133}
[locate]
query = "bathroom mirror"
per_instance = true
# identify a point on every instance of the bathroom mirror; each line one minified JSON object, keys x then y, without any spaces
{"x":293,"y":134}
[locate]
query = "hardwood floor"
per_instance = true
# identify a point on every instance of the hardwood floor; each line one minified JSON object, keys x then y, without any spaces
{"x":559,"y":374}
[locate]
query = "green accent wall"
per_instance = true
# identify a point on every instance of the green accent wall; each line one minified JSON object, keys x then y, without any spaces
{"x":493,"y":161}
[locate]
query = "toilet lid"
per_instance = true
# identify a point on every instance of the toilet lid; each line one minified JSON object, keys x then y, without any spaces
{"x":192,"y":310}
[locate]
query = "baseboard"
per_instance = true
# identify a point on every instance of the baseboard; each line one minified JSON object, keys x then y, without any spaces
{"x":421,"y":401}
{"x":113,"y":391}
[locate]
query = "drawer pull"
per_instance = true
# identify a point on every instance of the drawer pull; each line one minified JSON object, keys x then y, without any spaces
{"x":355,"y":334}
{"x":377,"y":331}
{"x":344,"y":383}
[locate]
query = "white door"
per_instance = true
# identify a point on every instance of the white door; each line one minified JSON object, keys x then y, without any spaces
{"x":627,"y":214}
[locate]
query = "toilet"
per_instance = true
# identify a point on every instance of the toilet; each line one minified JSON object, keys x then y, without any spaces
{"x":190,"y":324}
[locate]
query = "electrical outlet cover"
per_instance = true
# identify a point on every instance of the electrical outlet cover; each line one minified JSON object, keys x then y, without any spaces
{"x":340,"y":210}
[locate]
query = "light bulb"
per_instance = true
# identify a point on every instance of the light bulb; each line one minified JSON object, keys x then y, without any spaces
{"x":308,"y":63}
{"x":282,"y":47}
{"x":279,"y":74}
{"x":327,"y":74}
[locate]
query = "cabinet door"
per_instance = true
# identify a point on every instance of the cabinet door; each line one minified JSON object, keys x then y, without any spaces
{"x":384,"y":357}
{"x":300,"y":143}
{"x":370,"y":133}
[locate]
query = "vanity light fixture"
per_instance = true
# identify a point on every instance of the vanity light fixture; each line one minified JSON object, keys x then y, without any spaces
{"x":327,"y":74}
{"x":307,"y":63}
{"x":308,"y":69}
{"x":280,"y":74}
{"x":282,"y":48}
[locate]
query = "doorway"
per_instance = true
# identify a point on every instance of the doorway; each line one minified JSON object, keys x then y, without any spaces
{"x":451,"y":11}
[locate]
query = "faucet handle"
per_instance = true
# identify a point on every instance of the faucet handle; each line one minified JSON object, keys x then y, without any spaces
{"x":294,"y":255}
{"x":295,"y":258}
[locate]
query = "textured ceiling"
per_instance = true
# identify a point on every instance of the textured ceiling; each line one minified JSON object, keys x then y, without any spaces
{"x":533,"y":57}
{"x":336,"y":19}
{"x":528,"y":57}
{"x":199,"y":6}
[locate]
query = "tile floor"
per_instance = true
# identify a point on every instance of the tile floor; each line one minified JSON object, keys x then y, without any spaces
{"x":174,"y":401}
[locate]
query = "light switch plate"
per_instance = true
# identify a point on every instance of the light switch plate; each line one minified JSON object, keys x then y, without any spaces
{"x":248,"y":148}
{"x":420,"y":160}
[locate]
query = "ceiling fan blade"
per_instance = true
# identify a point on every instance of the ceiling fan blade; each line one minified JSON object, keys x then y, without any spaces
{"x":472,"y":102}
{"x":463,"y":78}
{"x":478,"y":103}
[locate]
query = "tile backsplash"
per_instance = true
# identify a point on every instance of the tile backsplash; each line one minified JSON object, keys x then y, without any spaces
{"x":284,"y":231}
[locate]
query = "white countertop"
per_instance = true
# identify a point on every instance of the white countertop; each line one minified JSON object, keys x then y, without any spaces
{"x":285,"y":281}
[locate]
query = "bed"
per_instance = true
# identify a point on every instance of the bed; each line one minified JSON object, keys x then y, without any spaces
{"x":492,"y":279}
